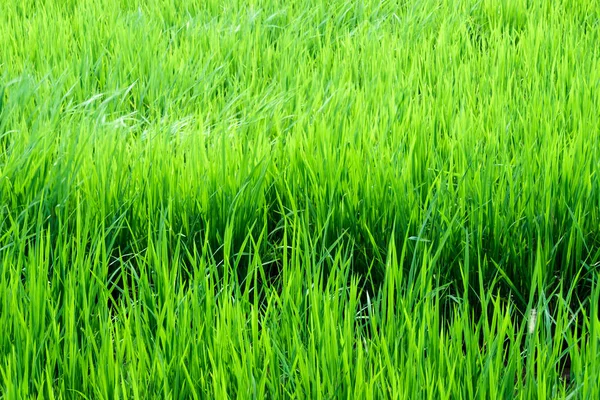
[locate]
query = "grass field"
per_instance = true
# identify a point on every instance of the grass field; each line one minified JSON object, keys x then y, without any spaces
{"x":299,"y":199}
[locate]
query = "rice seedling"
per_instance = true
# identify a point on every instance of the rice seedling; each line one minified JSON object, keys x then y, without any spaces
{"x":301,"y":199}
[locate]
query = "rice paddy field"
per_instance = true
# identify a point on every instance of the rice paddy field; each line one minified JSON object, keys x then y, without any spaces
{"x":301,"y":199}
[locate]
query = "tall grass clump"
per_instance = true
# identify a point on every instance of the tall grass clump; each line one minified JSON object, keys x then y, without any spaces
{"x":300,"y":199}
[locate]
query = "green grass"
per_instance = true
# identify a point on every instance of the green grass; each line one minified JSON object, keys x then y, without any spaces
{"x":299,"y":199}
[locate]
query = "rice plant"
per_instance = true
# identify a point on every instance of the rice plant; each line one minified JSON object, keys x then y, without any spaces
{"x":299,"y":199}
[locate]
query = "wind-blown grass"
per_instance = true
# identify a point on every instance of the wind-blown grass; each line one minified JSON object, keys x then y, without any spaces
{"x":300,"y":199}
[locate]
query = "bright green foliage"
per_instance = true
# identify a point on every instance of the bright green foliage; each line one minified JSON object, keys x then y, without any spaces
{"x":299,"y":199}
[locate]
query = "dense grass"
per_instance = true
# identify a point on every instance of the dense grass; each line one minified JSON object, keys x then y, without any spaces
{"x":306,"y":199}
